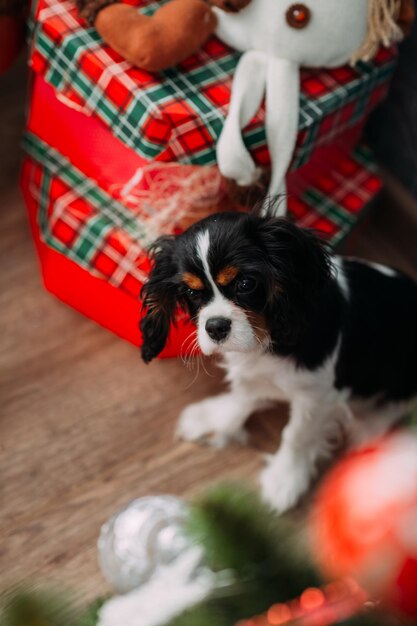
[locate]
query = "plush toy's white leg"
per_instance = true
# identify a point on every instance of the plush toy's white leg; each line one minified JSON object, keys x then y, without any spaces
{"x":275,"y":202}
{"x":282,"y":111}
{"x":248,"y":88}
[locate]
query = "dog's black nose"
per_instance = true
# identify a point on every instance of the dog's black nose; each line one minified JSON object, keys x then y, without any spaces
{"x":218,"y":328}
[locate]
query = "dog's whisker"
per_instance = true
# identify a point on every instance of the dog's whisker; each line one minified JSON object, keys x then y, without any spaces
{"x":192,"y":338}
{"x":204,"y":367}
{"x":196,"y":374}
{"x":193,"y":348}
{"x":190,"y":359}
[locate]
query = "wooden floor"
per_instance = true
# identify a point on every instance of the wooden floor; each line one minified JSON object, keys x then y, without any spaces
{"x":85,"y":426}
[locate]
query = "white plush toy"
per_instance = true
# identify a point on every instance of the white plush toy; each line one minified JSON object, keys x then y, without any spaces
{"x":277,"y":37}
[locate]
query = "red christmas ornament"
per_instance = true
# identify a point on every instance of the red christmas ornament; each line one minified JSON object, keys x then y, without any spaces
{"x":364,"y":523}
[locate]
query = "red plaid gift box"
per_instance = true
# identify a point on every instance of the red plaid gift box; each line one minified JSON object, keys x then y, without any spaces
{"x":117,"y":156}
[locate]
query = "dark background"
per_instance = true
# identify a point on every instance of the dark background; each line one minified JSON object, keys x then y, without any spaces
{"x":392,"y":129}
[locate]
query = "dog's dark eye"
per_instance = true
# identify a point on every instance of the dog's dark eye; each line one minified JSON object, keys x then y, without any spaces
{"x":245,"y":285}
{"x":193,"y":294}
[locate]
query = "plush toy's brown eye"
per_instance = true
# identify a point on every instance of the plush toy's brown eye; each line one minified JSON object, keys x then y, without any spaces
{"x":298,"y":16}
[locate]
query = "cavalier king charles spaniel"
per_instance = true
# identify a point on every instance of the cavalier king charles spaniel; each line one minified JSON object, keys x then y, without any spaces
{"x":336,"y":338}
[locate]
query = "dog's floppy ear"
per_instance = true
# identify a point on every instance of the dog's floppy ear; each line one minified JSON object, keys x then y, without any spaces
{"x":159,"y":298}
{"x":299,"y":269}
{"x":298,"y":255}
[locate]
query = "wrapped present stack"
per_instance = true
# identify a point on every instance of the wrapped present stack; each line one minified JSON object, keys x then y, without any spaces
{"x":116,"y":156}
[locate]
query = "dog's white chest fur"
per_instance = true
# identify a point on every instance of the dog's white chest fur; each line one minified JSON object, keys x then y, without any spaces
{"x":321,"y":416}
{"x":277,"y":378}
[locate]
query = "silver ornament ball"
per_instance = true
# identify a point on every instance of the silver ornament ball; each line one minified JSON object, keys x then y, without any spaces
{"x":144,"y":535}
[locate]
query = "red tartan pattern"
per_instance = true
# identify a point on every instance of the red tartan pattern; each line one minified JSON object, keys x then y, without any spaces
{"x":178,"y":115}
{"x":115,"y":257}
{"x":110,"y":239}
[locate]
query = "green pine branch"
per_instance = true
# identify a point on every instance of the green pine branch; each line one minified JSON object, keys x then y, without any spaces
{"x":265,"y":555}
{"x":35,"y":608}
{"x":266,"y":559}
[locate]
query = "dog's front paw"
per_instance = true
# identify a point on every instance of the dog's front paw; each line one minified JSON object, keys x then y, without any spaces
{"x":284,"y":481}
{"x":203,"y":422}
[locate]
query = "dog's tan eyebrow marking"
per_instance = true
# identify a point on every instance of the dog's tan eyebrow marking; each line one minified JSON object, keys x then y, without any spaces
{"x":226,"y":275}
{"x":192,"y":281}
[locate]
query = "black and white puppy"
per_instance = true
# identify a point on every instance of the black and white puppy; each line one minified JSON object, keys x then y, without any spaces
{"x":336,"y":338}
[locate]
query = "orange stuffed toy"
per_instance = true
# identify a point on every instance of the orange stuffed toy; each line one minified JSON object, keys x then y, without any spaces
{"x":154,"y":43}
